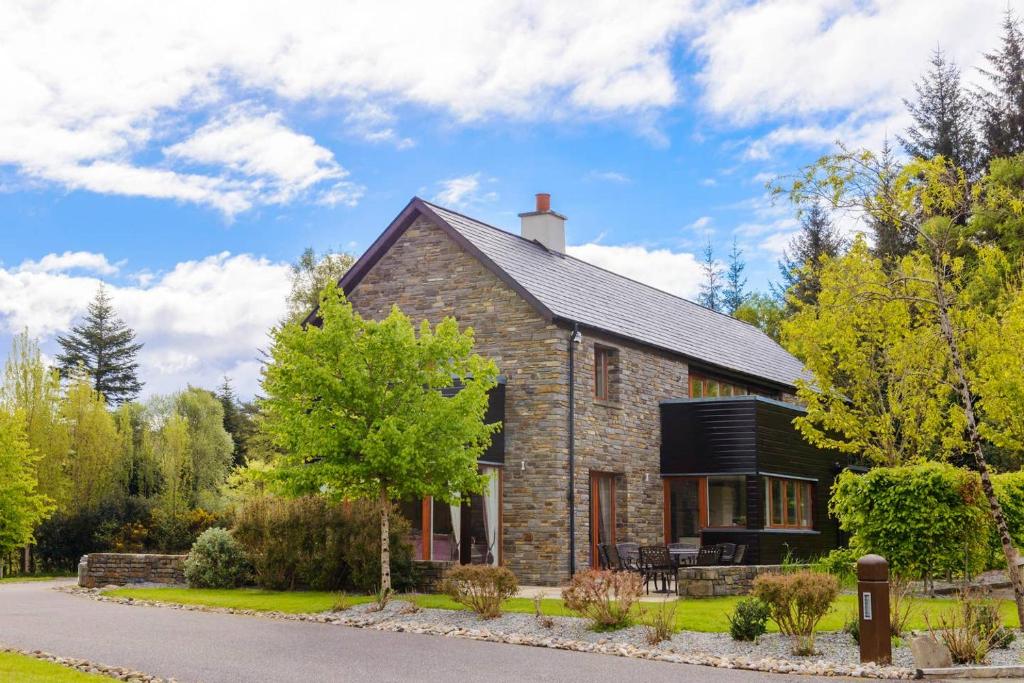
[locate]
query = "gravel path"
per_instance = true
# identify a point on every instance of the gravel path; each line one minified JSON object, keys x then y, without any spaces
{"x":215,"y":648}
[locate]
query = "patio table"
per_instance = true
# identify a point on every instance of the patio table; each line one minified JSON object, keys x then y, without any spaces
{"x":683,"y":556}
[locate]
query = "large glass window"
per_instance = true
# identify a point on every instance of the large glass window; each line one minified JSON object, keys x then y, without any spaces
{"x":704,"y":386}
{"x":683,"y":502}
{"x":602,"y":512}
{"x":727,"y":501}
{"x":412,"y":510}
{"x":789,"y":503}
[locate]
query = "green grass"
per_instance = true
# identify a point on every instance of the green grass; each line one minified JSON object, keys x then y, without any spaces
{"x":706,"y":614}
{"x":25,"y":669}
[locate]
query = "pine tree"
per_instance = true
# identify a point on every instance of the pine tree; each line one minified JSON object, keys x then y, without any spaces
{"x":942,"y":117}
{"x":711,"y":289}
{"x":237,"y":421}
{"x":735,"y":292}
{"x":105,"y":348}
{"x":1001,"y":115}
{"x":801,"y":261}
{"x":890,"y":242}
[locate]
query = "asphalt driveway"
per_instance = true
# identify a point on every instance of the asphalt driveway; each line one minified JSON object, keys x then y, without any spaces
{"x":222,"y":648}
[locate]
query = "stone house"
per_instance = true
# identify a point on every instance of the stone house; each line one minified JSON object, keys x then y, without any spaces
{"x":629,"y":414}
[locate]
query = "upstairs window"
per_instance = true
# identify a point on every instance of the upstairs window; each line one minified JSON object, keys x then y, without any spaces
{"x":704,"y":386}
{"x":788,"y":503}
{"x":605,"y":366}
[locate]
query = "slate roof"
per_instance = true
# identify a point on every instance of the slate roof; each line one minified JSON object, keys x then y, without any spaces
{"x":570,"y":289}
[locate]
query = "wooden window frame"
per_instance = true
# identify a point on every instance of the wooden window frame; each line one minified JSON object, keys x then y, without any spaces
{"x":595,"y":561}
{"x":602,"y":375}
{"x":797,"y":486}
{"x":723,"y":387}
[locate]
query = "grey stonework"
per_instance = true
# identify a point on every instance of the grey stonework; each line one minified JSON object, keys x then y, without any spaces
{"x":706,"y":582}
{"x":427,"y":275}
{"x":104,"y":569}
{"x":427,"y":575}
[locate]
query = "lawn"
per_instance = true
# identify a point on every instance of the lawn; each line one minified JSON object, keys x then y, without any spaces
{"x":34,"y":577}
{"x":706,"y":614}
{"x":25,"y":669}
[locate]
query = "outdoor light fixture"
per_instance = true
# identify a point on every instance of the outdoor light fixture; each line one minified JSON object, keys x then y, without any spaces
{"x":576,"y":336}
{"x":522,"y":466}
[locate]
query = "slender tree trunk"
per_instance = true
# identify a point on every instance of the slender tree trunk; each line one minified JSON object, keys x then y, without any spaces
{"x":26,"y":559}
{"x":967,"y":399}
{"x":385,"y":546}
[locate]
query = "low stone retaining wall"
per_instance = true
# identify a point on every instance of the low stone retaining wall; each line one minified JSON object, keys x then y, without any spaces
{"x":427,"y":574}
{"x":706,"y":582}
{"x":104,"y":569}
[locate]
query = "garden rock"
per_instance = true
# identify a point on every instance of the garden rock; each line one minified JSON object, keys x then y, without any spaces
{"x":930,"y":653}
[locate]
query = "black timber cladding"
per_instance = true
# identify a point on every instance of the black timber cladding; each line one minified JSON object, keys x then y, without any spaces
{"x":755,"y":437}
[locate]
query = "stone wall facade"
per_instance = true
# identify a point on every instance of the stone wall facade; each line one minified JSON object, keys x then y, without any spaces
{"x":428,"y":275}
{"x":706,"y":582}
{"x":427,"y":575}
{"x":105,"y":569}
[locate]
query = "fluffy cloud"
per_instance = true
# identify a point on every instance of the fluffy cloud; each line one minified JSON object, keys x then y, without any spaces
{"x":673,"y":271}
{"x":464,"y":191}
{"x":70,"y":260}
{"x":90,"y":108}
{"x":199,"y":321}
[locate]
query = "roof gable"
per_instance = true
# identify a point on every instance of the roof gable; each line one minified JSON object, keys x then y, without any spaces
{"x":562,"y":287}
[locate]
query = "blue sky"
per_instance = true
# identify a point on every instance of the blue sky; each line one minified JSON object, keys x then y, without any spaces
{"x":186,"y":158}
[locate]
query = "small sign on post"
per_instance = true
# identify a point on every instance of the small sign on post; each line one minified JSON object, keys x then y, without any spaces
{"x":873,"y":588}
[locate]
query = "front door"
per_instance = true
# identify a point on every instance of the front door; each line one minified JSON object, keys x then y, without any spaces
{"x":602,"y":513}
{"x":684,"y":509}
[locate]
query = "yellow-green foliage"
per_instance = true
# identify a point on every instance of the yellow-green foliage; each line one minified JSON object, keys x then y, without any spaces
{"x":22,"y":507}
{"x":922,"y":518}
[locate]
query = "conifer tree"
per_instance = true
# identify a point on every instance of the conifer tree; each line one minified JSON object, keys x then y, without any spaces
{"x":237,"y":421}
{"x":105,"y":348}
{"x":1001,"y":115}
{"x":800,"y":266}
{"x":735,"y":292}
{"x":943,"y":121}
{"x":711,"y":288}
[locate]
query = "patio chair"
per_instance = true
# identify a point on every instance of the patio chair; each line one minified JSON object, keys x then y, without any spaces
{"x":655,"y":564}
{"x":741,"y":550}
{"x":603,"y":561}
{"x":629,"y":556}
{"x":708,"y":556}
{"x":614,"y":561}
{"x":728,"y":550}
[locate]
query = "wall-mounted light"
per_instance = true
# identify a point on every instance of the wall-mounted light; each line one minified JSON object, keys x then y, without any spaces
{"x":522,"y":466}
{"x":647,"y":477}
{"x":576,"y":337}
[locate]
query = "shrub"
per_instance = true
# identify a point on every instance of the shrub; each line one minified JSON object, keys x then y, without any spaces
{"x":900,"y":604}
{"x":749,"y":620}
{"x":604,"y":597}
{"x":970,"y":630}
{"x":840,"y":563}
{"x":216,"y":561}
{"x":480,"y":587}
{"x":659,"y":623}
{"x":852,"y":628}
{"x":797,"y":603}
{"x":924,"y":519}
{"x":312,"y":543}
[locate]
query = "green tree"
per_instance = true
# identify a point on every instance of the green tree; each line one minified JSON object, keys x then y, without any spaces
{"x":210,"y":445}
{"x":32,"y":390}
{"x":359,"y":410}
{"x":1001,"y":115}
{"x":943,"y":117}
{"x":106,"y":348}
{"x":763,"y":312}
{"x":952,"y":311}
{"x":311,"y":274}
{"x":141,"y":471}
{"x":238,"y":421}
{"x":710,"y":295}
{"x":22,"y":507}
{"x":801,"y":261}
{"x":93,"y":458}
{"x":174,"y":454}
{"x":735,"y":292}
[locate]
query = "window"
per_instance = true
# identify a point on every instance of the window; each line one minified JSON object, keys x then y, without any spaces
{"x":788,"y":503}
{"x":727,"y":501}
{"x":703,"y":386}
{"x":602,"y":513}
{"x":684,"y":509}
{"x":605,"y":365}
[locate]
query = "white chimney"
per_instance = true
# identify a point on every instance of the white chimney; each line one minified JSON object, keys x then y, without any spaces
{"x":544,"y":225}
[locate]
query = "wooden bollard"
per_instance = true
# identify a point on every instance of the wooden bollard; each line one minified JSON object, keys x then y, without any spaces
{"x":873,"y":601}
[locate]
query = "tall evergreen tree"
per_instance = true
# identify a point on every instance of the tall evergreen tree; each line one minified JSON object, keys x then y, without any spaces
{"x":105,"y":348}
{"x":1001,"y":115}
{"x":800,"y":266}
{"x":735,"y":292}
{"x":711,"y":288}
{"x":237,"y":421}
{"x":943,"y":118}
{"x":890,"y":242}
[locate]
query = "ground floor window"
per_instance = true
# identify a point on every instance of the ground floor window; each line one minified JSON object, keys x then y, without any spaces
{"x":685,"y":509}
{"x":727,"y":501}
{"x":602,"y":513}
{"x":788,"y":503}
{"x":469,"y":533}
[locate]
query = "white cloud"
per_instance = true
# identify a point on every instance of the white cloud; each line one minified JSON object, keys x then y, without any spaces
{"x":701,"y":223}
{"x":464,"y":191}
{"x":198,"y":321}
{"x":70,"y":260}
{"x":672,"y":271}
{"x":708,"y":182}
{"x":610,"y":177}
{"x":87,"y":107}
